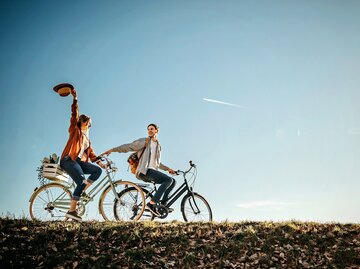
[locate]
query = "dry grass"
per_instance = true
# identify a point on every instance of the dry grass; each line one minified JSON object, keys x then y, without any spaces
{"x":27,"y":244}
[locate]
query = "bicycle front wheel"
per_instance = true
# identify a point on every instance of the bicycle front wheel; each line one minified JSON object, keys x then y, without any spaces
{"x":130,"y":203}
{"x":194,"y":207}
{"x":114,"y":206}
{"x":50,"y":202}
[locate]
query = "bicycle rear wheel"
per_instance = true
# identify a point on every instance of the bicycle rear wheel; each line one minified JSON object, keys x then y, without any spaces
{"x":50,"y":202}
{"x":129,"y":207}
{"x":129,"y":204}
{"x":194,"y":207}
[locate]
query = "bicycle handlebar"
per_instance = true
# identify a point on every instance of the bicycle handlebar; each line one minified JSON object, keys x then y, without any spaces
{"x":109,"y":163}
{"x":192,"y":165}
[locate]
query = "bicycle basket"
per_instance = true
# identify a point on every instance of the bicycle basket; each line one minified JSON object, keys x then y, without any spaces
{"x":54,"y":172}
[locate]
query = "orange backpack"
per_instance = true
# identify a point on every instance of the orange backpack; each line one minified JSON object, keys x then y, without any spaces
{"x":133,"y":159}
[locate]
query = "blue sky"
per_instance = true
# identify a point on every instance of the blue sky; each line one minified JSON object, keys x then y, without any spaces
{"x":290,"y":149}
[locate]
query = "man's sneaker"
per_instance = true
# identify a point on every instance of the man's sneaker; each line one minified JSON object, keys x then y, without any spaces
{"x":153,"y":209}
{"x":169,"y":209}
{"x":73,"y":215}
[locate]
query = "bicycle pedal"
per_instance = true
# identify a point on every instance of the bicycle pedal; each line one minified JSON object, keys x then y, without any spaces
{"x":85,"y":197}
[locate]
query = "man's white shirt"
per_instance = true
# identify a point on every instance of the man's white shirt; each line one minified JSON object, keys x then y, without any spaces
{"x":152,"y":162}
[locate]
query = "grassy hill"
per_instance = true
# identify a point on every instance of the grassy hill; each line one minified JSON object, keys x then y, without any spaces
{"x":178,"y":245}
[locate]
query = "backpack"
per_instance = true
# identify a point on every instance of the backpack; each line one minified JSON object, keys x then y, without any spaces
{"x":133,"y":159}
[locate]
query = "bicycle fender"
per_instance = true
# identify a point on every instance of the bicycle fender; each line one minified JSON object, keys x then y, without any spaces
{"x":32,"y":195}
{"x":39,"y":188}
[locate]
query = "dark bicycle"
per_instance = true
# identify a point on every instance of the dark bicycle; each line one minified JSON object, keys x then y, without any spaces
{"x":194,"y":207}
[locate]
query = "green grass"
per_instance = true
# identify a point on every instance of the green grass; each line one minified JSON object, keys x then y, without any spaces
{"x":27,"y":244}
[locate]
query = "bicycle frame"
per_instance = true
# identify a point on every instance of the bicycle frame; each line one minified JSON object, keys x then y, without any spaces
{"x":99,"y":185}
{"x":96,"y":189}
{"x":178,"y":192}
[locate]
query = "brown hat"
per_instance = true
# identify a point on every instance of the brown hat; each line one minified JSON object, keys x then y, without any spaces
{"x":63,"y":89}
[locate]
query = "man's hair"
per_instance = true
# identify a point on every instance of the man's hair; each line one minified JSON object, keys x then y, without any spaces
{"x":82,"y":118}
{"x":153,"y":125}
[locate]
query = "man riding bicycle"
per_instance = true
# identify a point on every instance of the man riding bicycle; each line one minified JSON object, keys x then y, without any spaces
{"x":148,"y":151}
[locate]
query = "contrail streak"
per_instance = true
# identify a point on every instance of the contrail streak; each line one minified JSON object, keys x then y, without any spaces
{"x":222,"y":103}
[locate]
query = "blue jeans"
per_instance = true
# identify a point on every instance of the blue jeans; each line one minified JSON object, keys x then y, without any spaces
{"x":167,"y":184}
{"x":76,"y":169}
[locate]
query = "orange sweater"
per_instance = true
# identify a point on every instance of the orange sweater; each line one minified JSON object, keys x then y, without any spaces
{"x":73,"y":145}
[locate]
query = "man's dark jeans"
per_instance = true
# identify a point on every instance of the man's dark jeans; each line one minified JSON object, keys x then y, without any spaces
{"x":76,"y":169}
{"x":167,"y":184}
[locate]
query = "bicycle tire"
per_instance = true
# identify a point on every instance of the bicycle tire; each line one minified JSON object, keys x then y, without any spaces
{"x":50,"y":202}
{"x":193,"y":202}
{"x":108,"y":199}
{"x":128,"y":193}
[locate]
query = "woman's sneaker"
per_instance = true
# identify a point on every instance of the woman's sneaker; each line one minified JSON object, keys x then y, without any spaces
{"x":73,"y":215}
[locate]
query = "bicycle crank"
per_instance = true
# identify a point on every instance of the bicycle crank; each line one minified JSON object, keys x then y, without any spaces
{"x":163,"y":211}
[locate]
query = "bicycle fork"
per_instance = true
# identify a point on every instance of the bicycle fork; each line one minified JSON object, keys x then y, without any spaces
{"x":192,"y":202}
{"x":115,"y":193}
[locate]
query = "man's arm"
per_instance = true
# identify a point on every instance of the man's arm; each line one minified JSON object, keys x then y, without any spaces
{"x":134,"y":146}
{"x":165,"y":168}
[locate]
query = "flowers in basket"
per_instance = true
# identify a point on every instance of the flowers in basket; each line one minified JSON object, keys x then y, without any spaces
{"x":51,"y":169}
{"x":53,"y":158}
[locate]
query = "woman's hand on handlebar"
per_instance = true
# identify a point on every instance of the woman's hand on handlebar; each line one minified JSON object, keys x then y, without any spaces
{"x":103,"y":166}
{"x":99,"y":160}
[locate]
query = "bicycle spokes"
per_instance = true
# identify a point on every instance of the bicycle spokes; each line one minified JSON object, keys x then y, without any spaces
{"x":194,"y":207}
{"x":130,"y":204}
{"x":50,"y":202}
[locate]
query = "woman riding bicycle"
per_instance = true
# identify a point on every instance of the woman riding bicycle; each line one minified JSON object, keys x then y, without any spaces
{"x":77,"y":152}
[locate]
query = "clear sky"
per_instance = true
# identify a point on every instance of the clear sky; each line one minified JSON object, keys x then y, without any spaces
{"x":288,"y":149}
